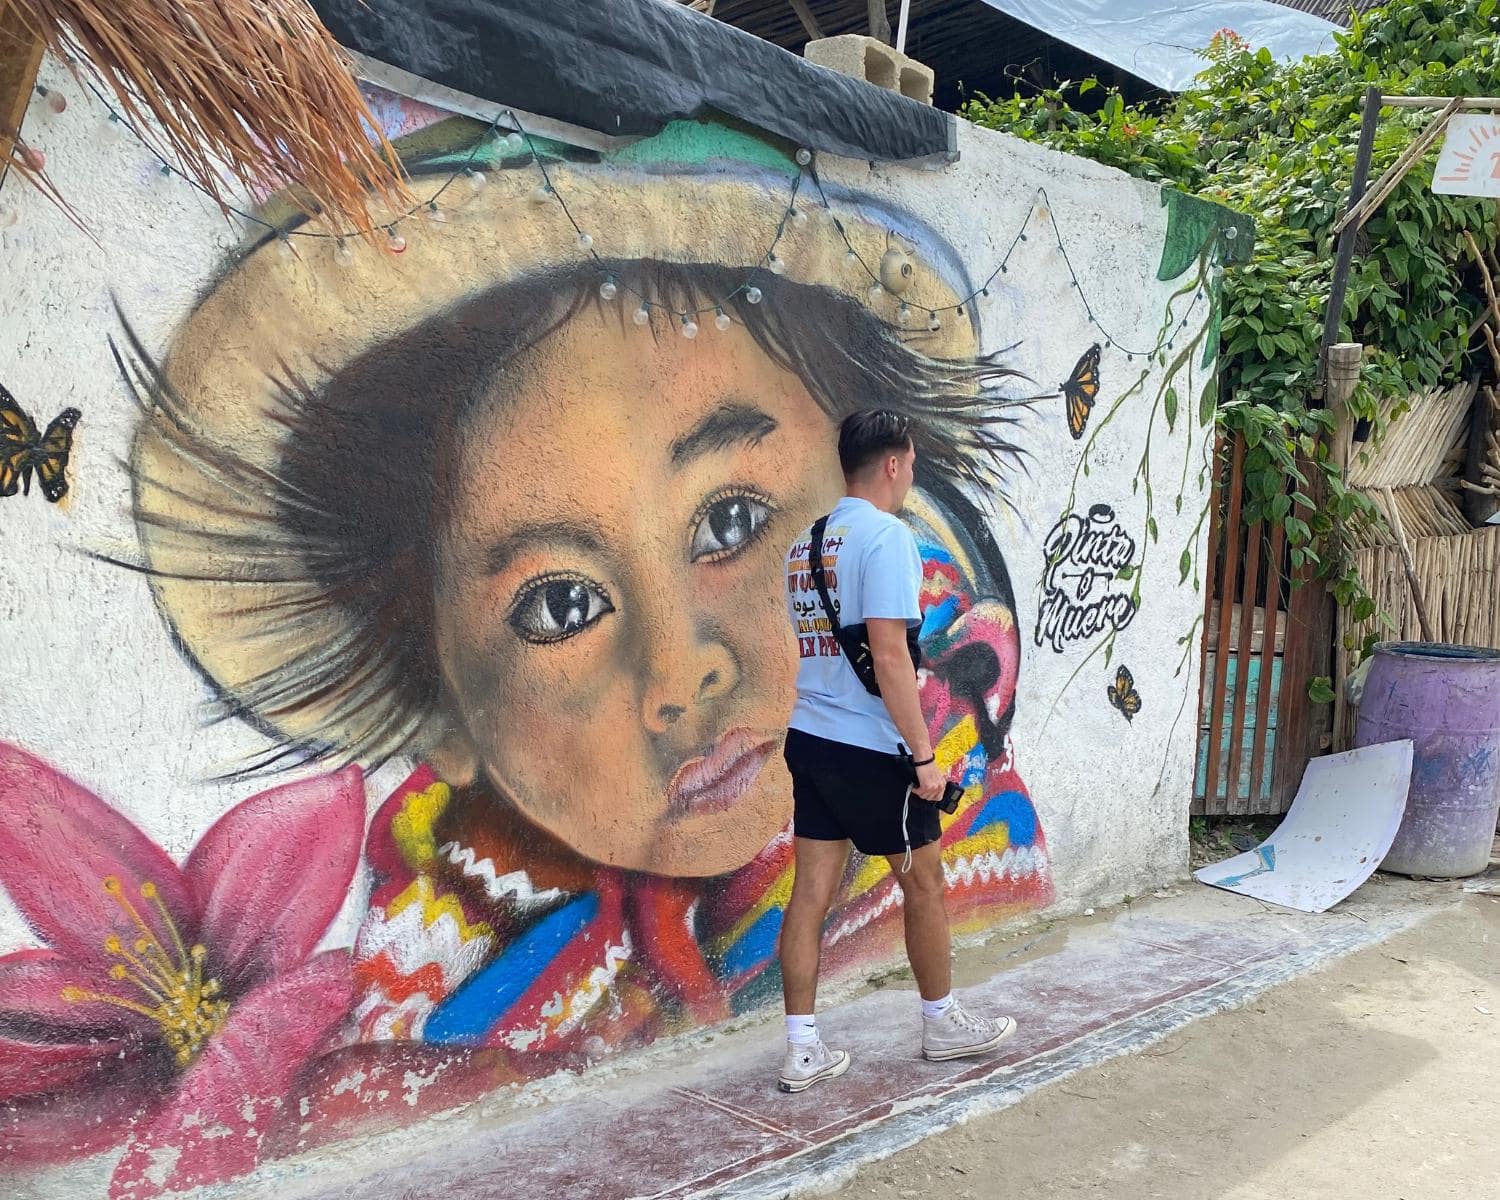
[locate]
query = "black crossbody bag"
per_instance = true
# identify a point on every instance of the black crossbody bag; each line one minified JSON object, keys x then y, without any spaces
{"x":853,"y":640}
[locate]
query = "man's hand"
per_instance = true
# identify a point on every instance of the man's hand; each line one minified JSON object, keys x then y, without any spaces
{"x":930,"y":783}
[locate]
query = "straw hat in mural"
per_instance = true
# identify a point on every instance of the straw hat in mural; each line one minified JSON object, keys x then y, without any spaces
{"x":696,"y":194}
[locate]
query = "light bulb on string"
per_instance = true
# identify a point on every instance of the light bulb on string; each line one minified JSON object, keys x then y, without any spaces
{"x":797,"y":218}
{"x":721,"y":319}
{"x":514,"y":142}
{"x":342,"y":254}
{"x":585,"y":242}
{"x":851,"y":257}
{"x":903,"y":314}
{"x":752,"y":295}
{"x":776,"y":263}
{"x":933,"y":322}
{"x":804,"y":157}
{"x":874,"y":292}
{"x":165,"y":171}
{"x":56,"y":101}
{"x":642,"y":315}
{"x":541,"y":193}
{"x":609,"y":289}
{"x":477,"y":179}
{"x":394,"y":241}
{"x":434,"y":214}
{"x":689,"y":327}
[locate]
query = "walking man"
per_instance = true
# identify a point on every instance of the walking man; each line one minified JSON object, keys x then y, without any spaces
{"x":849,"y":782}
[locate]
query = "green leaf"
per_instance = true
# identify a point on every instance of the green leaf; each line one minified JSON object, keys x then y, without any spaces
{"x":1320,"y":690}
{"x":1185,"y":565}
{"x":1151,"y":527}
{"x":1170,"y":405}
{"x":1125,"y":572}
{"x":1206,"y":403}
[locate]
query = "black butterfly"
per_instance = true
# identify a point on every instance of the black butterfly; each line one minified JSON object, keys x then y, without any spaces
{"x":1122,"y":694}
{"x":1080,"y":391}
{"x":23,"y":450}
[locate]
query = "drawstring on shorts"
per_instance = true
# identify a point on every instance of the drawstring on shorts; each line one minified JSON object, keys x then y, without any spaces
{"x":905,"y":832}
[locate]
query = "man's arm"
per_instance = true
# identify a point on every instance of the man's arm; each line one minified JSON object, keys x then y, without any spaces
{"x":898,"y":688}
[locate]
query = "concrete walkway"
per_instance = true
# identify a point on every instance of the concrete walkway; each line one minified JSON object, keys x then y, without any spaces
{"x":708,"y":1120}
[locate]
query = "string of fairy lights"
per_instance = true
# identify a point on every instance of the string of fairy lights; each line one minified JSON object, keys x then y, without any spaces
{"x":506,"y":136}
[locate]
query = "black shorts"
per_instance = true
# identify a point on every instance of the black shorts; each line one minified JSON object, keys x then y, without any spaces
{"x":841,"y":791}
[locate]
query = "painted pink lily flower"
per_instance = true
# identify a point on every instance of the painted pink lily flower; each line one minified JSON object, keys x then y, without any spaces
{"x":173,"y":1006}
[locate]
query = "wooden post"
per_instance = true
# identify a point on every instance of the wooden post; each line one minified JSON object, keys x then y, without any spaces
{"x":1344,"y":257}
{"x":1409,"y":567}
{"x":20,"y":58}
{"x":880,"y":23}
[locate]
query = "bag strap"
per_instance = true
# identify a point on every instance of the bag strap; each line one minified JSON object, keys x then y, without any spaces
{"x":819,"y":578}
{"x":848,"y":643}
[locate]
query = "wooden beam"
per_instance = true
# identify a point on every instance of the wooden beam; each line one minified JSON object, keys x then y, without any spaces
{"x":1464,"y":103}
{"x":20,"y":58}
{"x":809,"y":22}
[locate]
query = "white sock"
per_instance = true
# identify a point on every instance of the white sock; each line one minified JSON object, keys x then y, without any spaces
{"x":802,"y":1031}
{"x":933,"y":1009}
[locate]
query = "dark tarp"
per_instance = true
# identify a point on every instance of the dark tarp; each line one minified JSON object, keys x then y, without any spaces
{"x":627,"y":67}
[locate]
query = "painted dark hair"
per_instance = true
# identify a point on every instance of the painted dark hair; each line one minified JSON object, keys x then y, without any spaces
{"x":363,"y":448}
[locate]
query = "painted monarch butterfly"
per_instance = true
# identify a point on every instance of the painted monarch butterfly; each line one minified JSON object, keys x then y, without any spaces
{"x":23,"y":450}
{"x":1122,"y":693}
{"x":1080,"y":391}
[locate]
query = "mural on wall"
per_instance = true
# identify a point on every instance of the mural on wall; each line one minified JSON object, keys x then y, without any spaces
{"x":499,"y":517}
{"x":24,"y":450}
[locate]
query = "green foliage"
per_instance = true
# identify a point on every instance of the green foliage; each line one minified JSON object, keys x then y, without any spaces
{"x":1277,"y":142}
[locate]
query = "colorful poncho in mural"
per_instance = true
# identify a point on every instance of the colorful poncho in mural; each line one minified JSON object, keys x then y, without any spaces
{"x":479,"y":937}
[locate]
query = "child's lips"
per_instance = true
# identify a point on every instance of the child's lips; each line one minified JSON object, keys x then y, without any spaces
{"x":719,"y":779}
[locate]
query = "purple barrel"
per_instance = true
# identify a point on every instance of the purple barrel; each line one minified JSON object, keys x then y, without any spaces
{"x":1447,"y":700}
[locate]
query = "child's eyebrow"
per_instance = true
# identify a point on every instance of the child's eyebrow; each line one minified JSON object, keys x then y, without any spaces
{"x":728,"y":424}
{"x":553,"y":533}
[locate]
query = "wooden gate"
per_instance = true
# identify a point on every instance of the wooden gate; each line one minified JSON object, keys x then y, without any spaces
{"x":1263,"y":639}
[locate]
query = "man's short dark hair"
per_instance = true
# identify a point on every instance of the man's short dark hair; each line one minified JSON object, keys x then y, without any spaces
{"x":867,"y":436}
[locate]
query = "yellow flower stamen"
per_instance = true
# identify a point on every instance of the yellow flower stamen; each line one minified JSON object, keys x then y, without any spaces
{"x":188,"y":1009}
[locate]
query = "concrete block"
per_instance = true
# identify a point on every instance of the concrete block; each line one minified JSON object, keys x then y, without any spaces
{"x":873,"y":61}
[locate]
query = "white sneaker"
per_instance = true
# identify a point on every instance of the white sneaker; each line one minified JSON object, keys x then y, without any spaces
{"x":958,"y":1033}
{"x":806,"y":1065}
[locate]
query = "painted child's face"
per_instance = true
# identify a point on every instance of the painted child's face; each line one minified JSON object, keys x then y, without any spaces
{"x":611,"y":630}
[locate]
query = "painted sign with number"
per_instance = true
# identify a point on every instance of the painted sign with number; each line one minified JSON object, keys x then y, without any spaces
{"x":1470,"y":162}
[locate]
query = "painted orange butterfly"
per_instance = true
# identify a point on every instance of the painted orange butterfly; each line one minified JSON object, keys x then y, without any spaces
{"x":1122,"y":694}
{"x":1080,"y":391}
{"x":23,"y":450}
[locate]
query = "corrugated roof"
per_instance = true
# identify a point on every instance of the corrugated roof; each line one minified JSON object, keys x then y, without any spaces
{"x":1332,"y":10}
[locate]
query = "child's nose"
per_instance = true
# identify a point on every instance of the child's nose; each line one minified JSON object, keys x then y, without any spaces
{"x":702,"y":672}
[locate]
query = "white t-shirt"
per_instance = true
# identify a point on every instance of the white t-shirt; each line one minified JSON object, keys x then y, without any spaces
{"x":873,"y":569}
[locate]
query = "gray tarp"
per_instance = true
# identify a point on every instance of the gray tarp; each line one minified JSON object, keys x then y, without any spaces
{"x":1163,"y":44}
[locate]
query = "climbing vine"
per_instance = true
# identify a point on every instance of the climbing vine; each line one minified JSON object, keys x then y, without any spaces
{"x":1276,"y":142}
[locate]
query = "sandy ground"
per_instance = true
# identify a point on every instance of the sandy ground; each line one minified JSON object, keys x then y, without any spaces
{"x":1376,"y":1078}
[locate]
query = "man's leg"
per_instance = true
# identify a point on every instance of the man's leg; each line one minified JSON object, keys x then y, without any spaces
{"x":926,"y":917}
{"x":820,"y":866}
{"x":948,"y":1030}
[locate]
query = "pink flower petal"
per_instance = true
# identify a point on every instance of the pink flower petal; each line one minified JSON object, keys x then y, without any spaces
{"x":272,"y":872}
{"x":58,"y":844}
{"x":32,"y":1004}
{"x":46,"y":1042}
{"x":30,"y":1068}
{"x":72,"y":1124}
{"x":228,"y":1100}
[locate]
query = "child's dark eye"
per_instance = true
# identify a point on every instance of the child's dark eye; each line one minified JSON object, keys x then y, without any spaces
{"x":558,"y":607}
{"x":727,"y":524}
